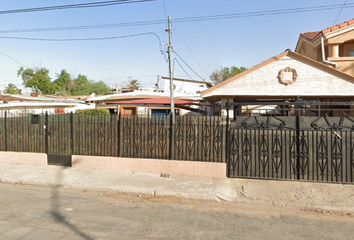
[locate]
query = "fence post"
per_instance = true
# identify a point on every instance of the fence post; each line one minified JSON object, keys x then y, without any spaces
{"x":72,"y":133}
{"x":5,"y":125}
{"x":227,"y":140}
{"x":298,"y":147}
{"x":118,"y":135}
{"x":46,"y":132}
{"x":172,"y":137}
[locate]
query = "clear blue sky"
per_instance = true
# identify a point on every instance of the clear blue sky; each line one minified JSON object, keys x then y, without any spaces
{"x":204,"y":45}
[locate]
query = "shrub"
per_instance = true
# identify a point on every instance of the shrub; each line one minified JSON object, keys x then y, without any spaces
{"x":93,"y":112}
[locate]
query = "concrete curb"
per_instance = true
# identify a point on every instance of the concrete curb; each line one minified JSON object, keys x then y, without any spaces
{"x":337,"y":197}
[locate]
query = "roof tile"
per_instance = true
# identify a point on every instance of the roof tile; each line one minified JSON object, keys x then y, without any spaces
{"x":312,"y":35}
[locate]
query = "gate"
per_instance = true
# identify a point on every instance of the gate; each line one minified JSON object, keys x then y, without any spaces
{"x":58,"y":139}
{"x":304,"y":148}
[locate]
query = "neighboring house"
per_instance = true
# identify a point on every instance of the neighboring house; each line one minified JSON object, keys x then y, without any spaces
{"x":145,"y":101}
{"x":185,"y":86}
{"x":333,"y":46}
{"x":287,"y":77}
{"x":40,"y":104}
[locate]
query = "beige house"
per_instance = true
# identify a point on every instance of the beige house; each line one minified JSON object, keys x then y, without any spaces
{"x":333,"y":46}
{"x":286,"y":78}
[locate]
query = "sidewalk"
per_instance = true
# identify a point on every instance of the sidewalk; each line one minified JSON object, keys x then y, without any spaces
{"x":336,"y":197}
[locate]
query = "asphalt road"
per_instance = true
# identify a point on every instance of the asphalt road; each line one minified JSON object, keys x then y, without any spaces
{"x":29,"y":212}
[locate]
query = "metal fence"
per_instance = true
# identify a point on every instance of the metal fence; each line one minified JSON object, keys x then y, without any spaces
{"x":317,"y":149}
{"x":192,"y":138}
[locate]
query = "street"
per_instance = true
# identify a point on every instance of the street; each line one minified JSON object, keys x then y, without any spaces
{"x":30,"y":212}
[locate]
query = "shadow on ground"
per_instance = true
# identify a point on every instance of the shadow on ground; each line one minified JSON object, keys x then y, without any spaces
{"x":56,"y":208}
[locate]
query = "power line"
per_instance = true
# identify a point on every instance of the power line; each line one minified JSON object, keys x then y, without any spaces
{"x":188,"y":65}
{"x":164,"y":8}
{"x":13,"y":59}
{"x":189,"y":50}
{"x":340,"y":12}
{"x":189,"y":19}
{"x":72,"y":6}
{"x":265,"y":13}
{"x":176,"y":60}
{"x":84,"y":27}
{"x":84,"y":39}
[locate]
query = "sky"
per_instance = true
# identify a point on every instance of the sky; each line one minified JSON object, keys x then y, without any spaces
{"x":242,"y":34}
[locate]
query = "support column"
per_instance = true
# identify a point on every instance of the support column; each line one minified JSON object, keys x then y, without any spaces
{"x":223,"y":107}
{"x":333,"y":51}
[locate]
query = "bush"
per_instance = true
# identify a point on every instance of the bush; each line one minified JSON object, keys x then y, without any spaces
{"x":93,"y":112}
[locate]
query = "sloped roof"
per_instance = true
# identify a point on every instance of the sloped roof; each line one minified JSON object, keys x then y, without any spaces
{"x":157,"y":101}
{"x":9,"y":98}
{"x":310,"y":36}
{"x":322,"y":67}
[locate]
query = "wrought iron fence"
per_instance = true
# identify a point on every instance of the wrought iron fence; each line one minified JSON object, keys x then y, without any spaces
{"x":21,"y":133}
{"x":192,"y":138}
{"x":303,"y":148}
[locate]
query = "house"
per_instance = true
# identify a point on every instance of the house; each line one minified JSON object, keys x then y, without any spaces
{"x":333,"y":46}
{"x":40,"y":104}
{"x":283,"y":80}
{"x":148,"y":101}
{"x":185,"y":86}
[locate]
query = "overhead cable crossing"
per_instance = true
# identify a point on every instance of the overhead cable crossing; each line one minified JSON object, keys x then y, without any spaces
{"x":72,"y":6}
{"x":188,"y":19}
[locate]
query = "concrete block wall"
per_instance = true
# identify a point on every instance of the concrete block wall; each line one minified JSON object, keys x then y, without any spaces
{"x":201,"y":169}
{"x":23,"y":158}
{"x":172,"y":167}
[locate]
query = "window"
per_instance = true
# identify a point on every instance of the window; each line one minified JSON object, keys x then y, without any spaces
{"x":352,"y":53}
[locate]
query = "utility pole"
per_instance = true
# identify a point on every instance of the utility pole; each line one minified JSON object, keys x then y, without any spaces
{"x":171,"y":69}
{"x":172,"y":121}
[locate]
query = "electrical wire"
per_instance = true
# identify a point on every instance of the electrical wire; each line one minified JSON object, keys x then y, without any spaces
{"x":189,"y":19}
{"x":188,"y":65}
{"x":189,"y":50}
{"x":340,"y":12}
{"x":176,"y":60}
{"x":13,"y":59}
{"x":84,"y":27}
{"x":164,"y":8}
{"x":265,"y":13}
{"x":72,"y":6}
{"x":84,"y":39}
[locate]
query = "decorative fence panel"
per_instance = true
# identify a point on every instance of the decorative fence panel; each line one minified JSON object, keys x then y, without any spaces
{"x":303,"y":148}
{"x":200,"y":138}
{"x":145,"y":136}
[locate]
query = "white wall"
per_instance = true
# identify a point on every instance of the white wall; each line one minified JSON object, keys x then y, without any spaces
{"x":183,"y":87}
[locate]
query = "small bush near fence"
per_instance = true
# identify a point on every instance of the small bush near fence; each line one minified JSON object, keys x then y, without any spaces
{"x":93,"y":112}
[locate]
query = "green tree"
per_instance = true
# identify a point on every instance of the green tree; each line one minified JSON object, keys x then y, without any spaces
{"x":133,"y":83}
{"x":12,"y":89}
{"x":40,"y":80}
{"x":61,"y":82}
{"x":37,"y":78}
{"x":100,"y":87}
{"x":83,"y":86}
{"x":224,"y":73}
